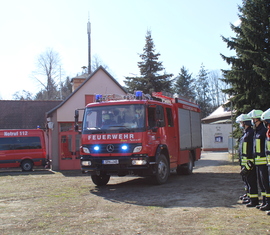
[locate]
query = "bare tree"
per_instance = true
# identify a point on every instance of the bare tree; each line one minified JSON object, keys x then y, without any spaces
{"x":96,"y":62}
{"x":48,"y":74}
{"x":216,"y":86}
{"x":22,"y":95}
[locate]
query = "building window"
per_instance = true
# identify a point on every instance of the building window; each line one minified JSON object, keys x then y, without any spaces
{"x":66,"y":127}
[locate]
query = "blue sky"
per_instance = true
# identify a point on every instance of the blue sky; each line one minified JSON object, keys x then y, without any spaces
{"x":185,"y":33}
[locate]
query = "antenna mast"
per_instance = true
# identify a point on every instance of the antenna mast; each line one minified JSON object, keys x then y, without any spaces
{"x":89,"y":44}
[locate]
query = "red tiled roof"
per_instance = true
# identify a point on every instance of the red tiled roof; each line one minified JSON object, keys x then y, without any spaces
{"x":17,"y":114}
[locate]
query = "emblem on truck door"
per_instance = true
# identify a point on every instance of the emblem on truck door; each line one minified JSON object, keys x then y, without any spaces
{"x":110,"y":148}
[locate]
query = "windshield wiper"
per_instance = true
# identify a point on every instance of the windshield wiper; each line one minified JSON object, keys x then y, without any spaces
{"x":126,"y":129}
{"x":96,"y":130}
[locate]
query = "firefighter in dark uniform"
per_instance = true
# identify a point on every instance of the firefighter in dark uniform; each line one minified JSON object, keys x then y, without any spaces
{"x":266,"y":120}
{"x":260,"y":158}
{"x":240,"y":156}
{"x":248,"y":171}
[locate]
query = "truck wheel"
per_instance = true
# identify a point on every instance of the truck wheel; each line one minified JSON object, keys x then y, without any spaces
{"x":100,"y":180}
{"x":186,"y":169}
{"x":27,"y":165}
{"x":162,"y":170}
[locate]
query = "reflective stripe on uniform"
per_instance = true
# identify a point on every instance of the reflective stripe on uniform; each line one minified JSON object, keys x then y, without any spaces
{"x":258,"y":145}
{"x":263,"y":194}
{"x":247,"y":167}
{"x":244,"y":148}
{"x":260,"y":160}
{"x":253,"y":195}
{"x":268,"y":148}
{"x":268,"y":144}
{"x":243,"y":161}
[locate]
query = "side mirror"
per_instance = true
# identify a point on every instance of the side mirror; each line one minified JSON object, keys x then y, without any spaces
{"x":160,"y":123}
{"x":76,"y":117}
{"x":155,"y":128}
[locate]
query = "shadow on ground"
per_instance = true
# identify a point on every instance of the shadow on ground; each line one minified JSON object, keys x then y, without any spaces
{"x":196,"y":190}
{"x":17,"y":172}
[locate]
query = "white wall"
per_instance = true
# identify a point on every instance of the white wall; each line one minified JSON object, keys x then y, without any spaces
{"x":215,"y":136}
{"x":100,"y":83}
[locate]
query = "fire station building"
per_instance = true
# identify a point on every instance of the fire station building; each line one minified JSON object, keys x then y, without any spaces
{"x":63,"y":140}
{"x":57,"y":117}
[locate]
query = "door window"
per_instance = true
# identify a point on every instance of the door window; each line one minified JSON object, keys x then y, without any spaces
{"x":169,"y":117}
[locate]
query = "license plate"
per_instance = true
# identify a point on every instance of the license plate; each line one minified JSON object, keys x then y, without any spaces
{"x":110,"y":162}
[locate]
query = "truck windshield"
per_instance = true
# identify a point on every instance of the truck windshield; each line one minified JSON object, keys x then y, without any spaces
{"x":114,"y":118}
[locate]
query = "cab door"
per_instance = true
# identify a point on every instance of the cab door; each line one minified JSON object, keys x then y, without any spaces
{"x":161,"y":117}
{"x":171,"y":136}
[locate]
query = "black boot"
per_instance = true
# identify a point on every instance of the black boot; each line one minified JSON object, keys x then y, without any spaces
{"x":266,"y":207}
{"x":243,"y":197}
{"x":246,"y":201}
{"x":260,"y":205}
{"x":253,"y":203}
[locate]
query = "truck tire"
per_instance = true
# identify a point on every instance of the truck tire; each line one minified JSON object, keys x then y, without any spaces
{"x":186,"y":169}
{"x":162,"y":170}
{"x":100,"y":180}
{"x":27,"y":165}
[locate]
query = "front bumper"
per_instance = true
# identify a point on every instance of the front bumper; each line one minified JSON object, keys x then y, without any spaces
{"x":120,"y":165}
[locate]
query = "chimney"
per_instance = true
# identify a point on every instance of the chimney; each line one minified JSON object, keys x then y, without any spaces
{"x":77,"y":81}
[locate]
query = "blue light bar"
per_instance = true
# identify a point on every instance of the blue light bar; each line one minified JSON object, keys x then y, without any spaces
{"x":138,"y":95}
{"x":98,"y":98}
{"x":96,"y":148}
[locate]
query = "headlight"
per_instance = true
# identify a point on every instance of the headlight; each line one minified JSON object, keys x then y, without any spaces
{"x":139,"y":162}
{"x":86,"y":163}
{"x":137,"y":149}
{"x":85,"y":150}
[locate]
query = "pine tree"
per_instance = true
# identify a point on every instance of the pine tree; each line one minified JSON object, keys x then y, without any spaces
{"x":249,"y":76}
{"x":150,"y":68}
{"x":184,"y":84}
{"x":202,"y":92}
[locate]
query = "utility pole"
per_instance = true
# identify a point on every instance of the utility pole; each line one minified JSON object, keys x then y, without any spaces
{"x":89,"y":45}
{"x":232,"y":131}
{"x":61,"y":86}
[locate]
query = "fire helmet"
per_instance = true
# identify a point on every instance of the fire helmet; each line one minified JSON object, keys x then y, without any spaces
{"x":255,"y":113}
{"x":266,"y":116}
{"x":245,"y":119}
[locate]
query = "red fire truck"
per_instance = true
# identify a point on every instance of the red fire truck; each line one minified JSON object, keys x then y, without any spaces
{"x":136,"y":135}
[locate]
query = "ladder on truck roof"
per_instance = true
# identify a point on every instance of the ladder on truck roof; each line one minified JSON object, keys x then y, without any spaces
{"x":141,"y":96}
{"x":164,"y":98}
{"x":167,"y":99}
